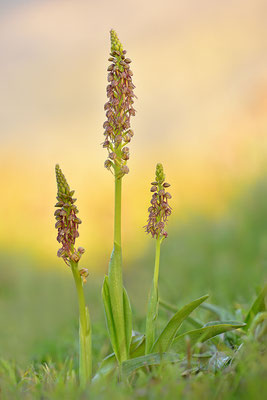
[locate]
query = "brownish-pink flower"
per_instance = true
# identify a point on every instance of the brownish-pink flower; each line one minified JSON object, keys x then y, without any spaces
{"x":67,"y":221}
{"x":159,"y":211}
{"x":119,"y":108}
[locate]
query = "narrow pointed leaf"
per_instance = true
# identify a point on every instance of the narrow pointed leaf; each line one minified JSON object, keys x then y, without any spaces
{"x":107,"y":366}
{"x":88,"y":344}
{"x":152,"y":313}
{"x":116,"y":300}
{"x":109,"y":316}
{"x":258,"y":306}
{"x":137,"y":340}
{"x":127,"y":320}
{"x":227,"y":322}
{"x":132,"y":365}
{"x":170,"y":307}
{"x":202,"y":334}
{"x":139,"y":350}
{"x":166,"y":337}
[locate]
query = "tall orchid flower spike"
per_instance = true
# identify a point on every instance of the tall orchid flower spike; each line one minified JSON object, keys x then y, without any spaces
{"x":119,"y":109}
{"x":67,"y":225}
{"x":118,"y":134}
{"x":159,"y":211}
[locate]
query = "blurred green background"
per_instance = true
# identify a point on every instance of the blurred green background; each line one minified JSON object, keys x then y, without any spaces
{"x":201,"y":82}
{"x":224,"y":256}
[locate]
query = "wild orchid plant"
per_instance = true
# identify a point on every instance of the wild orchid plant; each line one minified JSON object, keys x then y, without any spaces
{"x":130,"y":352}
{"x":67,"y":225}
{"x":118,"y":134}
{"x":159,"y":211}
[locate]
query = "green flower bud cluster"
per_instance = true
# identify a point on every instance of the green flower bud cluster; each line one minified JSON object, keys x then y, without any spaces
{"x":160,"y":176}
{"x":115,"y":43}
{"x":62,"y":184}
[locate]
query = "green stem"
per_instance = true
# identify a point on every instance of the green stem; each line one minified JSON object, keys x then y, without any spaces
{"x":117,"y":214}
{"x":115,"y":275}
{"x":85,"y":337}
{"x":157,"y":258}
{"x":152,"y":310}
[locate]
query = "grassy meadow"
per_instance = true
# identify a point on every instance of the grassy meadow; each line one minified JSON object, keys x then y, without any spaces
{"x":224,"y":256}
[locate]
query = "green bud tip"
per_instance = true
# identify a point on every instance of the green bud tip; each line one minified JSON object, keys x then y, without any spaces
{"x":62,"y":184}
{"x":115,"y":43}
{"x":160,"y":176}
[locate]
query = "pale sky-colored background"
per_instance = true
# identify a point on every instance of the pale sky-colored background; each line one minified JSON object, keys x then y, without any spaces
{"x":200,"y":70}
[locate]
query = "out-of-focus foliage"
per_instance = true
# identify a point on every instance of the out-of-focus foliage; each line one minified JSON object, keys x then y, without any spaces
{"x":226,"y":258}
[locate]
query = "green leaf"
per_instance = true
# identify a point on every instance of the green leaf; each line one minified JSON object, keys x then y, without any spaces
{"x":109,"y":363}
{"x":166,"y":337}
{"x":167,"y":306}
{"x":109,"y":316}
{"x":116,"y":297}
{"x":137,"y":340}
{"x":203,"y":334}
{"x":107,"y":366}
{"x":152,"y":313}
{"x":138,"y":348}
{"x":258,"y":306}
{"x":127,"y":319}
{"x":255,"y":331}
{"x":88,"y":344}
{"x":130,"y":366}
{"x":228,"y":322}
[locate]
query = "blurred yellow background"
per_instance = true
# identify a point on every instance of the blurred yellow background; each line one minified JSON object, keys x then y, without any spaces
{"x":200,"y":70}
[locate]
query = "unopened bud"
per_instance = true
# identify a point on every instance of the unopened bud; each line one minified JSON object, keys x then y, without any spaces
{"x":112,"y":155}
{"x":106,"y":144}
{"x":118,"y":139}
{"x":75,"y":257}
{"x":130,"y":132}
{"x":125,"y":156}
{"x":107,"y":164}
{"x":160,"y":176}
{"x":124,"y":169}
{"x":127,"y":138}
{"x":125,"y":150}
